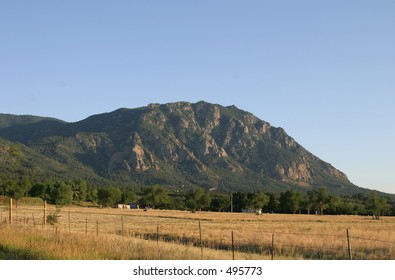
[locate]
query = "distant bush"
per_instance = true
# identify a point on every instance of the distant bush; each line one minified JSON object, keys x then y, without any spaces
{"x":31,"y":201}
{"x":23,"y":201}
{"x":53,"y":218}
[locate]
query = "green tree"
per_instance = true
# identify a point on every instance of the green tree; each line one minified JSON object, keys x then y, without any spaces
{"x":258,"y":201}
{"x":92,"y":194}
{"x":319,"y":199}
{"x":3,"y":187}
{"x":220,"y":202}
{"x":156,"y":197}
{"x":129,"y":196}
{"x":378,"y":205}
{"x":61,"y":194}
{"x":274,"y":203}
{"x":335,"y":203}
{"x":108,"y":196}
{"x":309,"y":202}
{"x":392,"y":208}
{"x":346,"y":207}
{"x":14,"y":151}
{"x":40,"y":190}
{"x":17,"y":190}
{"x":191,"y":204}
{"x":80,"y":190}
{"x":240,"y":201}
{"x":290,"y":201}
{"x":15,"y":154}
{"x":198,"y":199}
{"x":359,"y":209}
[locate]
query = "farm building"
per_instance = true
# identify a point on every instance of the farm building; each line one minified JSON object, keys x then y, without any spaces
{"x":122,"y":206}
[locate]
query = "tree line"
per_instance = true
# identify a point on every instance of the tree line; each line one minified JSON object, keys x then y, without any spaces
{"x":317,"y":201}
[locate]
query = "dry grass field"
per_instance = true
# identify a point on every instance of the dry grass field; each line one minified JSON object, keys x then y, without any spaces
{"x":93,"y":233}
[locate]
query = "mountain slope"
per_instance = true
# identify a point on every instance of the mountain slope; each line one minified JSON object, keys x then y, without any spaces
{"x":8,"y":120}
{"x":181,"y":145}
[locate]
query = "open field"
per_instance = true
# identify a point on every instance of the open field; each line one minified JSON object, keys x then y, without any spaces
{"x":158,"y":234}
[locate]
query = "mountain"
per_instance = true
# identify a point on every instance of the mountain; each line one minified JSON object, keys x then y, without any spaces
{"x":181,"y":145}
{"x":8,"y":120}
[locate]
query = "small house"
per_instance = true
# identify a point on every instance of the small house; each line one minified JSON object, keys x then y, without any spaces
{"x":122,"y":206}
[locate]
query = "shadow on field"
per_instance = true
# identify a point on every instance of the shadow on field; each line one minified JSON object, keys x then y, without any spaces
{"x":18,"y":254}
{"x":294,"y":252}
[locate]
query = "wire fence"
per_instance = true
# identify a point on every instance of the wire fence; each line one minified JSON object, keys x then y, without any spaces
{"x":235,"y":237}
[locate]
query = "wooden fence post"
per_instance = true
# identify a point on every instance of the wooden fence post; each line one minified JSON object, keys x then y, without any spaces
{"x":157,"y":235}
{"x":200,"y":238}
{"x":45,"y":213}
{"x":273,"y":249}
{"x":10,"y":211}
{"x":122,"y":226}
{"x":69,"y":222}
{"x":233,"y":246}
{"x":56,"y":234}
{"x":349,"y":244}
{"x":34,"y":222}
{"x":97,"y":228}
{"x":86,"y":225}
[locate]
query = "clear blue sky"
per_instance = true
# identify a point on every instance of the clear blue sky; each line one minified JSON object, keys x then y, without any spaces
{"x":322,"y":70}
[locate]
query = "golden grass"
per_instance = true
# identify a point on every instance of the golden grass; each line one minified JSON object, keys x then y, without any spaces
{"x":295,"y":236}
{"x":48,"y":244}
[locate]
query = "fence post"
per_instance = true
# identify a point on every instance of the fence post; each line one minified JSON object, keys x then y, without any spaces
{"x":97,"y":228}
{"x":122,"y":226}
{"x":200,"y":238}
{"x":45,"y":213}
{"x":69,"y":222}
{"x":56,"y":234}
{"x":273,"y":249}
{"x":233,"y":246}
{"x":34,"y":222}
{"x":157,"y":235}
{"x":349,"y":245}
{"x":10,"y":211}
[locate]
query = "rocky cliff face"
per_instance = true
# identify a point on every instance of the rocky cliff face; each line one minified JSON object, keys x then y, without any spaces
{"x":182,"y":143}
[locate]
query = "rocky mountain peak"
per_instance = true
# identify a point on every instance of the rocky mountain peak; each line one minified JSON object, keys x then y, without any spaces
{"x":196,"y":144}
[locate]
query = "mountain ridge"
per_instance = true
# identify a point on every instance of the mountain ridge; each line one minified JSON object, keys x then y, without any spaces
{"x":178,"y":144}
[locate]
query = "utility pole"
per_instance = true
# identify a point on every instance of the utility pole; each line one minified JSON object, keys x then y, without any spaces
{"x":231,"y":202}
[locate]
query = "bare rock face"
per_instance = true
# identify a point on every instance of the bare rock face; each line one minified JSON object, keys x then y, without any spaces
{"x":137,"y":158}
{"x":208,"y":147}
{"x":91,"y":142}
{"x":296,"y":172}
